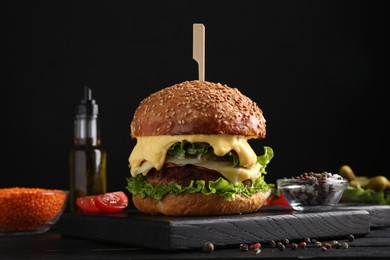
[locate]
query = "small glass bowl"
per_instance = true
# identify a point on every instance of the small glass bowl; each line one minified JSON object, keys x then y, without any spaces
{"x":30,"y":210}
{"x":312,"y":194}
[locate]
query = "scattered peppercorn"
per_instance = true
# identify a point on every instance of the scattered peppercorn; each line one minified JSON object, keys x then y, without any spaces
{"x":208,"y":247}
{"x":255,"y":246}
{"x":327,"y":245}
{"x":281,"y":247}
{"x":302,"y":244}
{"x":294,"y":245}
{"x":285,"y":241}
{"x":282,"y":244}
{"x":244,"y":247}
{"x":351,"y":238}
{"x":334,"y":243}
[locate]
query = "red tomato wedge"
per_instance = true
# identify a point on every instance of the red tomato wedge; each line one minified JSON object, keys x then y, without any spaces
{"x":107,"y":202}
{"x":112,"y":201}
{"x":87,"y":204}
{"x":276,"y":199}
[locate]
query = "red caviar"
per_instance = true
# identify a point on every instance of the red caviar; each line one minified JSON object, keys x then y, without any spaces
{"x":29,"y":209}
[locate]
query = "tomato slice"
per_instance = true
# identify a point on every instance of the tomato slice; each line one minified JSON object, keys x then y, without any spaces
{"x":112,"y":201}
{"x":276,"y":199}
{"x":87,"y":204}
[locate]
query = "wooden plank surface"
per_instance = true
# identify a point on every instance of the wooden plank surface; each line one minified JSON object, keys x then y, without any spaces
{"x":50,"y":245}
{"x":379,"y":214}
{"x":176,"y":233}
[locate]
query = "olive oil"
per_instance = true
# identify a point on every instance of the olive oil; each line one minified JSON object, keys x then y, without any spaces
{"x":87,"y":158}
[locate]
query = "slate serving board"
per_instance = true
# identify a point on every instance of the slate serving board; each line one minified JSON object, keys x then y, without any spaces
{"x":379,"y":214}
{"x":176,"y":233}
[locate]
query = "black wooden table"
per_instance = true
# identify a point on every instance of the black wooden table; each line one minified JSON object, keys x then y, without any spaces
{"x":69,"y":240}
{"x":52,"y":245}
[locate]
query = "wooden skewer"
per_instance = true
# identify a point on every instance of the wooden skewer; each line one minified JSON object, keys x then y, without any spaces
{"x":198,"y":48}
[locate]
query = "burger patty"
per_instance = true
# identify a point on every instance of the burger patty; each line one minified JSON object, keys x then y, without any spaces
{"x":183,"y":175}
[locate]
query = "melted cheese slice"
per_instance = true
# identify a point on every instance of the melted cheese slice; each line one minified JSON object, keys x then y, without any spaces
{"x":150,"y":152}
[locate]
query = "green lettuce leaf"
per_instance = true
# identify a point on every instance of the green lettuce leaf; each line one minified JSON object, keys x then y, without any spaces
{"x":205,"y":151}
{"x":265,"y":158}
{"x":139,"y":186}
{"x":365,"y":196}
{"x":179,"y":150}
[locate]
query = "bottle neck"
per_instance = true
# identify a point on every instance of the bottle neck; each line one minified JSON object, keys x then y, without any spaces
{"x":87,"y":130}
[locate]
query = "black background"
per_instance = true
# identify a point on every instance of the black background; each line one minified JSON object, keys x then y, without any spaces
{"x":317,"y":69}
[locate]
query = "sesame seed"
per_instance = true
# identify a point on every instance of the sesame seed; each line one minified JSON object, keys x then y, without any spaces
{"x":207,"y":102}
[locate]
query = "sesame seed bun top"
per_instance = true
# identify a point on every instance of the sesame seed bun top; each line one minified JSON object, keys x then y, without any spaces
{"x":198,"y":107}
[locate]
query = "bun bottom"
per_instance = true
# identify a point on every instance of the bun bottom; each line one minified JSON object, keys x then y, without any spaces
{"x":197,"y":204}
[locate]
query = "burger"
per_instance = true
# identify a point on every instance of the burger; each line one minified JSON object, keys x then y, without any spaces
{"x":192,"y":156}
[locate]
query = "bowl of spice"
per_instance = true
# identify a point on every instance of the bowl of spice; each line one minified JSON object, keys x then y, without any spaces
{"x":312,"y":191}
{"x":30,"y":210}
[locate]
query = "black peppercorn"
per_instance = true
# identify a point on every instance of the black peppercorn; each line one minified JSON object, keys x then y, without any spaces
{"x":244,"y":247}
{"x":281,"y":247}
{"x":351,"y":238}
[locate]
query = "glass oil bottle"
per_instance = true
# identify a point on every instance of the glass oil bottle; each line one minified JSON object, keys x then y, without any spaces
{"x":87,"y":158}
